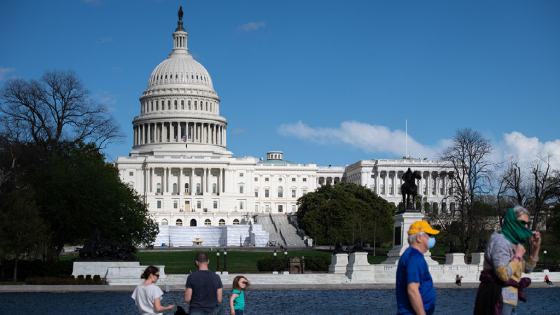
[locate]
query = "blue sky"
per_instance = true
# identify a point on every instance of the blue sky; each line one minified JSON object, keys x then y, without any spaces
{"x":328,"y":82}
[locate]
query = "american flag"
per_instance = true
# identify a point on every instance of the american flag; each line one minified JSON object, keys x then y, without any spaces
{"x":184,"y":138}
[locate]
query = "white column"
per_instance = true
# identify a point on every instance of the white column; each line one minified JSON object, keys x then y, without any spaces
{"x":223,"y":181}
{"x":191,"y":188}
{"x":152,"y":180}
{"x":377,"y":183}
{"x":225,"y":141}
{"x":180,"y":189}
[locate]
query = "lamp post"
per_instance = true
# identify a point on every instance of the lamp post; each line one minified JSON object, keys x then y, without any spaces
{"x":287,"y":268}
{"x":218,"y":261}
{"x":302,"y":263}
{"x":544,"y":252}
{"x":225,"y":267}
{"x":275,"y":271}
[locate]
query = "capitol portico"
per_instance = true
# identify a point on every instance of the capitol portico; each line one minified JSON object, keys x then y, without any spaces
{"x":181,"y":166}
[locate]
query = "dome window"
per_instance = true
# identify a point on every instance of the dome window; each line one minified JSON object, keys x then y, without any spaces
{"x":194,"y":105}
{"x":197,"y":77}
{"x":192,"y":77}
{"x":152,"y":106}
{"x":169,"y":102}
{"x":189,"y":105}
{"x":166,"y":76}
{"x":182,"y":104}
{"x":176,"y":76}
{"x":157,"y":106}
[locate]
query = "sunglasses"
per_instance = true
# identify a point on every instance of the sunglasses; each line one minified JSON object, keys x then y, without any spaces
{"x":157,"y":275}
{"x":524,"y":222}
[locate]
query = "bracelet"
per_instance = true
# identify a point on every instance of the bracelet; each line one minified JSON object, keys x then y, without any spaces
{"x":519,"y":258}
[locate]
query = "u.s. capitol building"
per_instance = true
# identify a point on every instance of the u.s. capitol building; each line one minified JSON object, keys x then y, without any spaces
{"x":181,"y":165}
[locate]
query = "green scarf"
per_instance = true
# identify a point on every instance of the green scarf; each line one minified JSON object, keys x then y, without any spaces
{"x":513,"y":230}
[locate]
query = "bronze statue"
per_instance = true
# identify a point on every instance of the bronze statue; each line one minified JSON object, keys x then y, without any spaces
{"x":409,"y":187}
{"x":481,"y":245}
{"x":180,"y":14}
{"x":359,"y":245}
{"x":100,"y":249}
{"x":338,"y":247}
{"x":453,"y":247}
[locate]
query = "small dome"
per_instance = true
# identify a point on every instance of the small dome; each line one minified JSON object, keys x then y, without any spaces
{"x":180,"y":70}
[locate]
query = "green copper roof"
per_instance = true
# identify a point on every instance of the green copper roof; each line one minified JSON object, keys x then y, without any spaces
{"x":276,"y":162}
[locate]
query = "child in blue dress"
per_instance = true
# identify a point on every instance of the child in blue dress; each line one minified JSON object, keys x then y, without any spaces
{"x":237,"y":300}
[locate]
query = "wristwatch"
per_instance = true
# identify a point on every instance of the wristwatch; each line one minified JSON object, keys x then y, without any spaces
{"x":519,"y":258}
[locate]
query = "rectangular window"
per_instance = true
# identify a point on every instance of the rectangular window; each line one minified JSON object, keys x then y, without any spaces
{"x":256,"y":179}
{"x":130,"y":173}
{"x":293,"y":179}
{"x":199,"y":204}
{"x":214,"y":174}
{"x":241,"y":205}
{"x":293,"y":208}
{"x":241,"y":189}
{"x":304,"y":192}
{"x":256,"y":208}
{"x":175,"y":203}
{"x":256,"y":193}
{"x":159,"y":204}
{"x":293,"y":193}
{"x":266,"y":179}
{"x":198,"y":174}
{"x":280,"y":208}
{"x":174,"y":173}
{"x":240,"y":174}
{"x":266,"y":193}
{"x":215,"y":205}
{"x":266,"y":209}
{"x":186,"y":173}
{"x":304,"y":179}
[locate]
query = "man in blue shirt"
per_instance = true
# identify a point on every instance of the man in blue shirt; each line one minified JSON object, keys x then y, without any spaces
{"x":204,"y":289}
{"x":415,"y":289}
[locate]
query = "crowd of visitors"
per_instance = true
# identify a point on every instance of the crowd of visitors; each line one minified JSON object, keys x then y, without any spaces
{"x":500,"y":290}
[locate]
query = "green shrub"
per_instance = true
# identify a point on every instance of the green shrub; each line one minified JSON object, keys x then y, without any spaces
{"x":312,"y":263}
{"x":36,"y":268}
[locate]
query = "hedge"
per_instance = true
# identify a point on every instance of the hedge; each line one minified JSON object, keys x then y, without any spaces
{"x":36,"y":268}
{"x":313,"y":263}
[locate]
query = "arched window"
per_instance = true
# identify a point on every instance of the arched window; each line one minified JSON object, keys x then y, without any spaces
{"x":158,"y":188}
{"x":193,"y":222}
{"x":157,"y":106}
{"x":236,"y":222}
{"x":194,"y":105}
{"x":198,"y":188}
{"x":182,"y":104}
{"x":222,"y":222}
{"x":189,"y":105}
{"x":186,"y":188}
{"x":164,"y":222}
{"x":166,"y":76}
{"x":175,"y":104}
{"x":174,"y":187}
{"x":213,"y":188}
{"x":152,"y":106}
{"x":176,"y":76}
{"x":179,"y":222}
{"x":280,"y":192}
{"x":207,"y":222}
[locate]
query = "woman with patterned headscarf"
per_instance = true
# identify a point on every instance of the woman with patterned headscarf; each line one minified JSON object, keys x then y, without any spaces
{"x":501,"y":285}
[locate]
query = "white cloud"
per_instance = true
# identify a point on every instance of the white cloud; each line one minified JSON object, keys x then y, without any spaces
{"x":238,"y":131}
{"x":368,"y":138}
{"x":105,"y":40}
{"x":105,"y":97}
{"x":526,"y":149}
{"x":251,"y":26}
{"x":4,"y":72}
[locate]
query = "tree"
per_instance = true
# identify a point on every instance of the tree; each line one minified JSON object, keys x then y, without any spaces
{"x":345,"y":211}
{"x":54,"y":109}
{"x":468,"y":156}
{"x":78,"y":191}
{"x":21,"y":228}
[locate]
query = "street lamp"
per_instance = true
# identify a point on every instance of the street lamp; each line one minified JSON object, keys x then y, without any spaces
{"x":287,"y":270}
{"x":275,"y":271}
{"x":302,"y":263}
{"x":218,"y":261}
{"x":544,"y":252}
{"x":225,"y":267}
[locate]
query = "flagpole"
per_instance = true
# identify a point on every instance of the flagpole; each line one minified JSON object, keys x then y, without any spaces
{"x":406,"y":138}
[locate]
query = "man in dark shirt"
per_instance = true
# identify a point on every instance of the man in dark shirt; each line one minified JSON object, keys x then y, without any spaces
{"x":204,"y":289}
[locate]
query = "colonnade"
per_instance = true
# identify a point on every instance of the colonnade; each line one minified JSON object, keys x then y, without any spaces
{"x":167,"y":181}
{"x":432,"y":183}
{"x":323,"y":180}
{"x":175,"y":131}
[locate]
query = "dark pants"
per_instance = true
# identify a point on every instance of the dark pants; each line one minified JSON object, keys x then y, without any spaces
{"x":218,"y":311}
{"x":238,"y":312}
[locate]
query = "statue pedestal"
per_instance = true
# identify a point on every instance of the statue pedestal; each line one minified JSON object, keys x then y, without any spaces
{"x":358,"y":268}
{"x":455,"y":259}
{"x":403,"y":221}
{"x":100,"y":268}
{"x":477,"y":259}
{"x":338,"y":263}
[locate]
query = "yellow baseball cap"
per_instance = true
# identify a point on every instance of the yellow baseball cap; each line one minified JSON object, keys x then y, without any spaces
{"x":421,"y":226}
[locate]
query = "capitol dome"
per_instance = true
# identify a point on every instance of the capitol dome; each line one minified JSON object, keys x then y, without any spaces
{"x":179,"y":110}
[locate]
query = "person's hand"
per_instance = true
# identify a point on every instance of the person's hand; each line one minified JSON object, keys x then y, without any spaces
{"x":519,"y":250}
{"x":171,"y":307}
{"x":536,"y":240}
{"x":232,"y":312}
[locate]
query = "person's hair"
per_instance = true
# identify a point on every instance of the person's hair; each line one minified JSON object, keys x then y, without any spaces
{"x":236,"y":283}
{"x":149,"y":271}
{"x":519,"y":211}
{"x":412,"y":237}
{"x":201,"y":258}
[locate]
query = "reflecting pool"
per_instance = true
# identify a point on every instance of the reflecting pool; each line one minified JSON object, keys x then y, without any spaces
{"x":540,"y":301}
